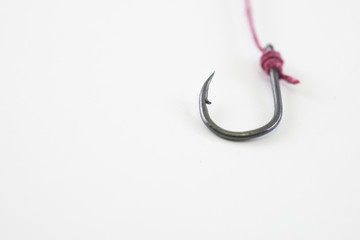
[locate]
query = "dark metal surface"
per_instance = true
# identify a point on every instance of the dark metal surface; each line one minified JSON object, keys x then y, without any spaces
{"x":242,"y":136}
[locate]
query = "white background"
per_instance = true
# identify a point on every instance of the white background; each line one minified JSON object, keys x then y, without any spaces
{"x":100,"y":134}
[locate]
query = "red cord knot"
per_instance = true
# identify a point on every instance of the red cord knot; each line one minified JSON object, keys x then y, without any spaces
{"x":272,"y":59}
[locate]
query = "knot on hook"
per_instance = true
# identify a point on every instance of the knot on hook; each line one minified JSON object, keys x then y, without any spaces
{"x":272,"y":59}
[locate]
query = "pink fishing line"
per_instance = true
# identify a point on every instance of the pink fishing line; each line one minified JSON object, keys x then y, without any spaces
{"x":269,"y":59}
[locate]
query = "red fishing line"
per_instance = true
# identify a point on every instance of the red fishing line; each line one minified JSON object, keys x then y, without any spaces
{"x":270,"y":58}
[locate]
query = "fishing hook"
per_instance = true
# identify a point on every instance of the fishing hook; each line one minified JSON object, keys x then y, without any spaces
{"x":242,"y":136}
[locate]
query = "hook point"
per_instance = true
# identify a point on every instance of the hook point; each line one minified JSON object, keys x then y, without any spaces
{"x":207,"y":84}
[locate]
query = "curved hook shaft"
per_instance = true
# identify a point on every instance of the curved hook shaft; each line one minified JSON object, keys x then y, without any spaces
{"x":241,"y":136}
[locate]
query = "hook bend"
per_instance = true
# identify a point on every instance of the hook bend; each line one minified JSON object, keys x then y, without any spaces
{"x":246,"y":135}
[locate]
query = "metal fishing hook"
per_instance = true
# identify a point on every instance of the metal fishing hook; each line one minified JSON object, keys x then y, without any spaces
{"x":242,"y":136}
